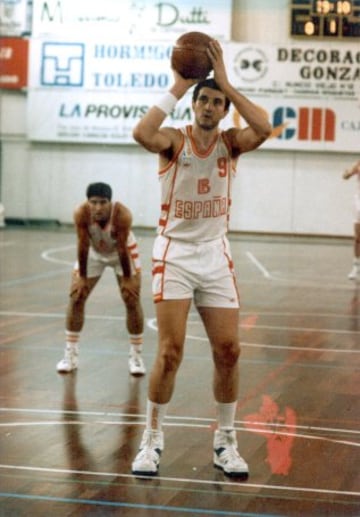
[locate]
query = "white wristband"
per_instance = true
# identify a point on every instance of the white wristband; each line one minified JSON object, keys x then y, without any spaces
{"x":167,"y":103}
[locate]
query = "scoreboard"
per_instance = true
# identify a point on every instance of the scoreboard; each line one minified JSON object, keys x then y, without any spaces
{"x":330,"y":19}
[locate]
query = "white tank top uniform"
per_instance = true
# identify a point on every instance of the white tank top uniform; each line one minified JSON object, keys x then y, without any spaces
{"x":191,"y":250}
{"x":103,"y":250}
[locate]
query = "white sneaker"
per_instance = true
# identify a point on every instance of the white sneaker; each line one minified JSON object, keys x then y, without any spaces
{"x":146,"y":462}
{"x":354,"y":273}
{"x":136,"y":365}
{"x":70,"y":361}
{"x":226,"y":455}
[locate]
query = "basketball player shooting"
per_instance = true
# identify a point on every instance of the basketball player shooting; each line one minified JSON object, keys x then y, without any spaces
{"x":191,"y":254}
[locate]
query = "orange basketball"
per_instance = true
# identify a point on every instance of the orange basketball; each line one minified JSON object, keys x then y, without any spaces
{"x":189,"y":57}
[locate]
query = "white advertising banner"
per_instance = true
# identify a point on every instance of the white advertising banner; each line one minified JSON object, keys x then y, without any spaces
{"x":311,"y":91}
{"x":96,"y":91}
{"x":146,"y":19}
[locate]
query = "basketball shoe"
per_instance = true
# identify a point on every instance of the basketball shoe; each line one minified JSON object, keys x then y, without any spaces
{"x":355,"y":271}
{"x":226,"y":455}
{"x":70,"y":361}
{"x":146,"y":462}
{"x":136,"y":364}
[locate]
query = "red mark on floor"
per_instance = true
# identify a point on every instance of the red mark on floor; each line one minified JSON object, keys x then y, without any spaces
{"x":279,"y":431}
{"x":249,"y":322}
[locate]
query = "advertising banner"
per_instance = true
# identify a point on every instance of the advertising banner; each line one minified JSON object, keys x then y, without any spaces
{"x":148,"y":19}
{"x":311,"y":91}
{"x":96,"y":91}
{"x":13,"y":63}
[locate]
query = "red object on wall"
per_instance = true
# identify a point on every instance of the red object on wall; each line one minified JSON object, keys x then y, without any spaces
{"x":14,"y":57}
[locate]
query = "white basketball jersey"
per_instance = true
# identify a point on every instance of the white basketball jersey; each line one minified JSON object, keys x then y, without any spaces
{"x":196,"y":191}
{"x":101,"y":239}
{"x":103,"y":243}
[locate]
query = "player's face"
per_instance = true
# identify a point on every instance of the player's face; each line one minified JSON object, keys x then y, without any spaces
{"x":100,"y":208}
{"x":209,"y":108}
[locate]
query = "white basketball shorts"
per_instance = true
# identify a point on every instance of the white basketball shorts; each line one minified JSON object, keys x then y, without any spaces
{"x":201,"y":271}
{"x":97,"y":262}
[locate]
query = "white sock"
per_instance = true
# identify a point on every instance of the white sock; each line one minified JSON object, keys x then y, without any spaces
{"x":72,"y":341}
{"x":155,"y":415}
{"x":226,"y":414}
{"x":136,"y":342}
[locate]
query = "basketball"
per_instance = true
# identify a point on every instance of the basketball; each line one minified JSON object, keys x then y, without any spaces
{"x":189,"y":57}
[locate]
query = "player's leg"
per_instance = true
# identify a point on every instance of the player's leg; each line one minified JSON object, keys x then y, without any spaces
{"x":135,"y":326}
{"x":355,"y":271}
{"x":171,"y":319}
{"x":75,"y":316}
{"x":222,"y":327}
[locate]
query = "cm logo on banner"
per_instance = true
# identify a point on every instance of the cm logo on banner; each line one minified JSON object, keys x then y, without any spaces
{"x":314,"y":124}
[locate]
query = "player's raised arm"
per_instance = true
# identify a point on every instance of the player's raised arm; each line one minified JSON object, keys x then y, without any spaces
{"x":148,"y":132}
{"x":259,"y":127}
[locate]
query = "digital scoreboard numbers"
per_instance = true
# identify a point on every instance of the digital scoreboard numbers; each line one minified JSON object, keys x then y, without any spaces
{"x":336,"y":19}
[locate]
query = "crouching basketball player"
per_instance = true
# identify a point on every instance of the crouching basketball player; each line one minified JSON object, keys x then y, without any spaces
{"x":104,"y":239}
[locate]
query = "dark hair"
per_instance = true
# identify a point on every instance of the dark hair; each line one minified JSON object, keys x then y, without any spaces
{"x":99,"y":190}
{"x":208,"y":83}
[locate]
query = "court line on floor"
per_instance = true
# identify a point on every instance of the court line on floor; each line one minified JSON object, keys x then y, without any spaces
{"x":46,"y":255}
{"x":182,"y":425}
{"x":204,"y":423}
{"x":212,"y":482}
{"x":197,"y":320}
{"x":210,"y":421}
{"x":258,"y":264}
{"x":117,"y":504}
{"x":151,"y":323}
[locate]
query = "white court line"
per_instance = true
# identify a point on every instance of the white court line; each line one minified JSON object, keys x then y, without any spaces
{"x":240,"y":486}
{"x":199,"y":420}
{"x":182,"y":425}
{"x":151,"y":323}
{"x":57,"y":315}
{"x":46,"y":255}
{"x":258,"y":264}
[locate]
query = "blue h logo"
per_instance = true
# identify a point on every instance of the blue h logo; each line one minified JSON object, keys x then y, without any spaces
{"x":62,"y":64}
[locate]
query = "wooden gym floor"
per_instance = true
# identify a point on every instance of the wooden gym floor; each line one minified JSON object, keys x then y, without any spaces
{"x":67,"y":442}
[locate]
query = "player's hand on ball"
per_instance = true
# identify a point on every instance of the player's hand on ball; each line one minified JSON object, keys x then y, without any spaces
{"x":179,"y":78}
{"x":215,"y":54}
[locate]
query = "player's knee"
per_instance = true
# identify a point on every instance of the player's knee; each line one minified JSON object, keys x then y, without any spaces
{"x":227,"y":355}
{"x":170,"y":358}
